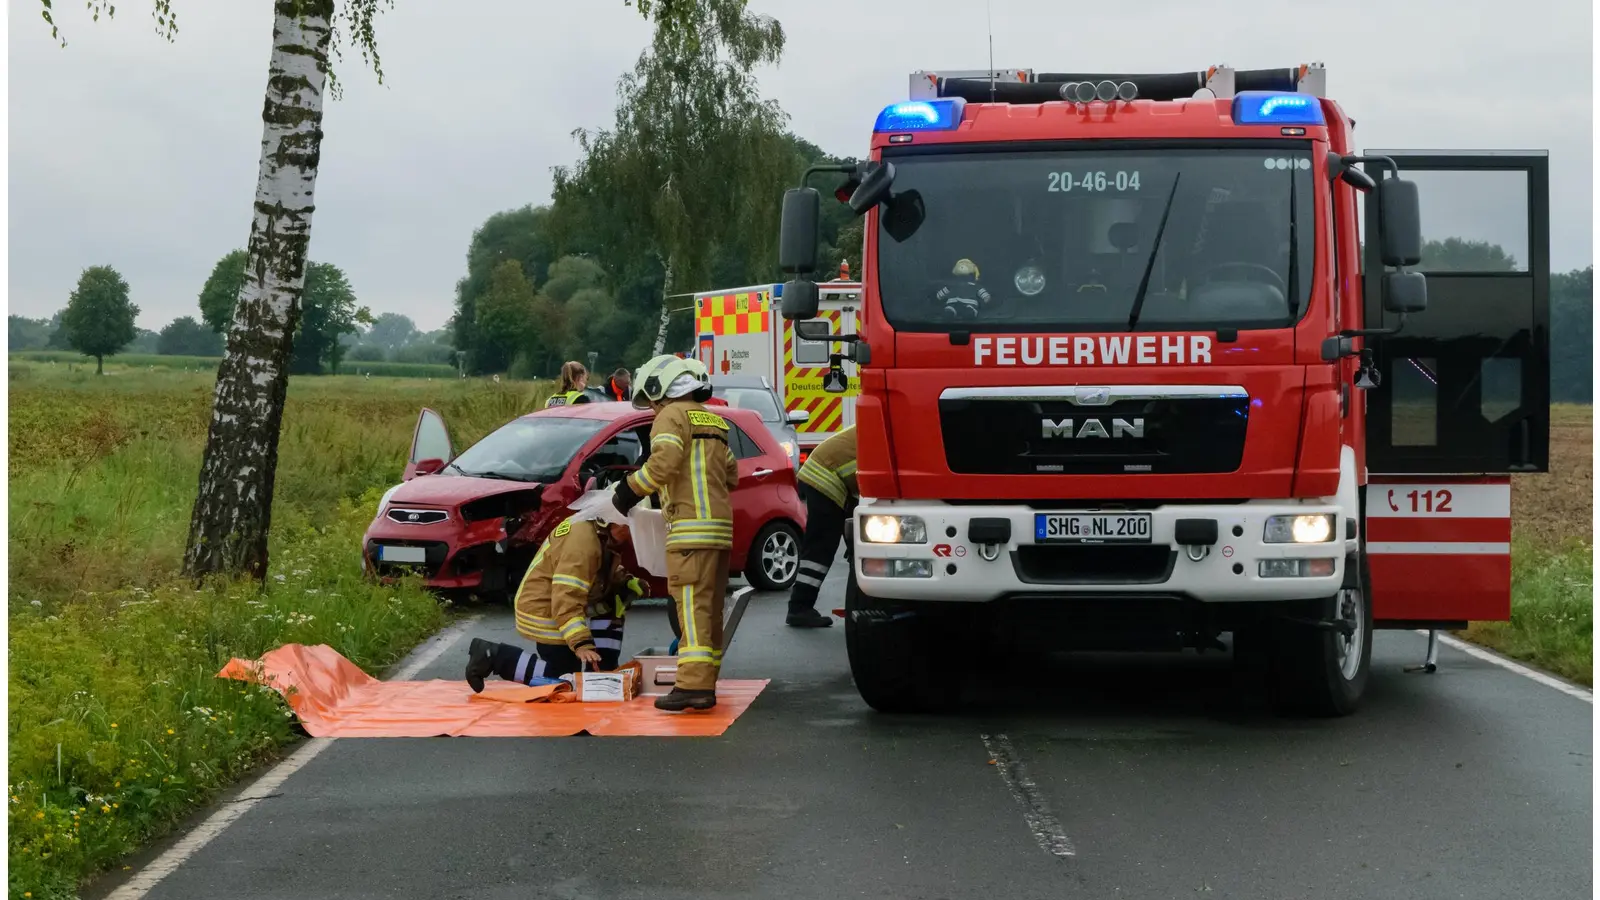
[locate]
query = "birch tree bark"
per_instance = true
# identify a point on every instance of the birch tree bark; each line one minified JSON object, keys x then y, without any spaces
{"x":666,"y":308}
{"x":233,"y":511}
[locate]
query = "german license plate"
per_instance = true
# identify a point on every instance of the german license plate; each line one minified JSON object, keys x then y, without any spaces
{"x":1092,"y":528}
{"x":403,"y":554}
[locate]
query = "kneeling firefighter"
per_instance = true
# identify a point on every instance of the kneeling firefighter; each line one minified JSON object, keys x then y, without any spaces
{"x":694,"y":469}
{"x":828,"y":488}
{"x":571,"y":603}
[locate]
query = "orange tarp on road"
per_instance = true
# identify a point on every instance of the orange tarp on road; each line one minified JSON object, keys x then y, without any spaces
{"x":334,"y":698}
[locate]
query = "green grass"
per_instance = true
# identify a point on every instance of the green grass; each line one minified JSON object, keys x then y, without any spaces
{"x":1552,"y":612}
{"x":118,"y":725}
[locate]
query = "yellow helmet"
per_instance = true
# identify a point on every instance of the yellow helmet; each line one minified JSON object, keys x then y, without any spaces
{"x":964,"y":268}
{"x":651,"y":381}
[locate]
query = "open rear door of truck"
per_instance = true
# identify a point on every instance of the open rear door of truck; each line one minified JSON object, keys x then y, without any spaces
{"x":1464,"y":401}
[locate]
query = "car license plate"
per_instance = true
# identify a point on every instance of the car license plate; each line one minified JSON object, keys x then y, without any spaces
{"x":403,"y":554}
{"x":1092,"y":528}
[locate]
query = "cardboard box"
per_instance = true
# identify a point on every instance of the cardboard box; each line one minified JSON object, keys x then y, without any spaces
{"x":658,"y":670}
{"x":603,"y":687}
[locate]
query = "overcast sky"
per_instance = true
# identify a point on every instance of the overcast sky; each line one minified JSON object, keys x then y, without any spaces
{"x":133,"y":152}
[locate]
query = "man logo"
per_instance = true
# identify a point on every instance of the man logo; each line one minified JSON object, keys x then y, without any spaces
{"x":1092,"y":396}
{"x":413,"y":517}
{"x":1093,"y":428}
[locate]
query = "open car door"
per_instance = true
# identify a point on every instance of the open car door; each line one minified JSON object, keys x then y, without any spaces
{"x":431,"y":447}
{"x":1464,"y":400}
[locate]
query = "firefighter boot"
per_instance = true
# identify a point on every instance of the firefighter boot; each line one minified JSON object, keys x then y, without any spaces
{"x":681,"y":699}
{"x":480,"y":663}
{"x":807,"y":618}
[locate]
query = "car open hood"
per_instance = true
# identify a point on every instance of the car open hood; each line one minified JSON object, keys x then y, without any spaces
{"x":448,"y":491}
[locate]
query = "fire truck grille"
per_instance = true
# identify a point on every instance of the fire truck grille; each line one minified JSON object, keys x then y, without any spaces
{"x":1189,"y":435}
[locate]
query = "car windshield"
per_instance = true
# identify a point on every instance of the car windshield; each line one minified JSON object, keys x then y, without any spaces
{"x":1076,"y":240}
{"x":758,"y":399}
{"x":536,"y":448}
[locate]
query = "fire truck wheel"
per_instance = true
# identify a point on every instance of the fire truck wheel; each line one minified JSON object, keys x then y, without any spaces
{"x":892,"y":655}
{"x":1318,"y":671}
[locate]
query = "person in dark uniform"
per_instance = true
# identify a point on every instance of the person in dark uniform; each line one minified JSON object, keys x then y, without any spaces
{"x":828,"y":489}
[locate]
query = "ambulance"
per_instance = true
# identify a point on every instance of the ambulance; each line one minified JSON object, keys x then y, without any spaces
{"x":739,"y":333}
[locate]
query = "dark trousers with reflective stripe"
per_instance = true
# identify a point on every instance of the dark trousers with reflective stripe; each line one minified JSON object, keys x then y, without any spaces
{"x":514,"y":663}
{"x":825,"y":525}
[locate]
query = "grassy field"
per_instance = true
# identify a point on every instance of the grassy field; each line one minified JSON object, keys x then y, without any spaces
{"x":1552,"y":516}
{"x":124,"y":363}
{"x":117,"y":725}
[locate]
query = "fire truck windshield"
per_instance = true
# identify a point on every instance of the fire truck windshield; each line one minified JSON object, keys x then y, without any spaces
{"x":1065,"y":240}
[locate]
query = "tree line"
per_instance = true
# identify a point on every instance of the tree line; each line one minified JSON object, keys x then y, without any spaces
{"x":98,"y":321}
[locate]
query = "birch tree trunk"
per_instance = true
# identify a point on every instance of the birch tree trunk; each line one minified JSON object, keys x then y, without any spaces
{"x":666,"y":308}
{"x":228,"y":529}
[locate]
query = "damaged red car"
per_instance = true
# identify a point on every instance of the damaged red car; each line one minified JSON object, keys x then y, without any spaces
{"x":471,"y":523}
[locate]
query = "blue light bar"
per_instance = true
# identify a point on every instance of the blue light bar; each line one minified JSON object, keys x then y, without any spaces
{"x":922,"y":115}
{"x":1276,"y":108}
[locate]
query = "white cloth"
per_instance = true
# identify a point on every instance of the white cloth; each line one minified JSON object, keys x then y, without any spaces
{"x":683,"y":386}
{"x":597,"y":506}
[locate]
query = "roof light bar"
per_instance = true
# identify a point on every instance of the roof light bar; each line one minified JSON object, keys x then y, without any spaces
{"x":922,"y":115}
{"x":1276,"y":108}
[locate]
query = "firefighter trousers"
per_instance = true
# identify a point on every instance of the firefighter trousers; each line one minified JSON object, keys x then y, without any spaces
{"x":825,"y":525}
{"x":698,"y":582}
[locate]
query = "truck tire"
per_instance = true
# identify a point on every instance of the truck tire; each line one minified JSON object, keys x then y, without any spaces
{"x":1317,"y":671}
{"x":892,"y":652}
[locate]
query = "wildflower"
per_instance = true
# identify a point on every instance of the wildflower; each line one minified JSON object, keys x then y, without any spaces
{"x":113,"y":724}
{"x":170,"y":731}
{"x":105,"y":809}
{"x":39,"y":815}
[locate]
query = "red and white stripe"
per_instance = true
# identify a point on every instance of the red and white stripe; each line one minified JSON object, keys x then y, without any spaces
{"x":1439,"y":549}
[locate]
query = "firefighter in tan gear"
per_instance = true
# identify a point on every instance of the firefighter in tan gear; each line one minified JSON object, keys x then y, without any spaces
{"x":694,"y":470}
{"x":571,"y":603}
{"x":828,"y":489}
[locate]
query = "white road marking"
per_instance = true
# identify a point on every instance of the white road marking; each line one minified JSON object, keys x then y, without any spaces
{"x":268,"y":784}
{"x":1502,"y":662}
{"x":1046,"y":829}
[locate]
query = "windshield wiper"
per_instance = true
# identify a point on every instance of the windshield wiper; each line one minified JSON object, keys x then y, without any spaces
{"x":496,"y":476}
{"x":1294,"y":256}
{"x":1150,"y":264}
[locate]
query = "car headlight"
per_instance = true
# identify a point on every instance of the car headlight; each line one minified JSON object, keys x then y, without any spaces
{"x":894,"y":530}
{"x":1315,"y":529}
{"x":788,"y":448}
{"x":1029,"y":280}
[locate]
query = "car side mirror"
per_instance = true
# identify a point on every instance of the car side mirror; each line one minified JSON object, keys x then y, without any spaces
{"x":1400,"y":218}
{"x":1405,"y":292}
{"x":428,"y":466}
{"x":799,"y":416}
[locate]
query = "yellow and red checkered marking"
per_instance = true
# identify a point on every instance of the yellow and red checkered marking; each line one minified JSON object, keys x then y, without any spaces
{"x":803,"y":384}
{"x":745,"y":312}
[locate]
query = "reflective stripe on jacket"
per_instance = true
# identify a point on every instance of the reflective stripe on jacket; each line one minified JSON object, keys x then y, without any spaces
{"x":576,"y":588}
{"x":694,"y":470}
{"x":831,"y":468}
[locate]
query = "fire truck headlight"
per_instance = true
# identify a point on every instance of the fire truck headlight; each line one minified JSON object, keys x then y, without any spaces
{"x":894,"y":530}
{"x":1315,"y":529}
{"x":1029,"y":280}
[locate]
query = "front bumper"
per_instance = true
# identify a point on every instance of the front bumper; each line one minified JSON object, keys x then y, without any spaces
{"x":950,"y":566}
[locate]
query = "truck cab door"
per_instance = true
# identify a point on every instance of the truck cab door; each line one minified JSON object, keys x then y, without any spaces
{"x":1464,"y":400}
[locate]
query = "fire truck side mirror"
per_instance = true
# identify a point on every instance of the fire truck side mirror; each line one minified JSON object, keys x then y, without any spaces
{"x":800,"y":300}
{"x":874,"y":187}
{"x":1400,"y":218}
{"x":797,"y":234}
{"x":1405,"y":292}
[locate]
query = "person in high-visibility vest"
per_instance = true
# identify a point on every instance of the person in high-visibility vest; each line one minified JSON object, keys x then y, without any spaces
{"x":828,"y":489}
{"x":571,"y":603}
{"x":618,"y":386}
{"x":693,"y":469}
{"x":574,"y":378}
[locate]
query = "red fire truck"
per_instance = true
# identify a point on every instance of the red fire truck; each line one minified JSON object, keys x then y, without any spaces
{"x":1150,"y":359}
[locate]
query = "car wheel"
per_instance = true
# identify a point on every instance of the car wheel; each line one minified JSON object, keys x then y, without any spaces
{"x":774,"y":557}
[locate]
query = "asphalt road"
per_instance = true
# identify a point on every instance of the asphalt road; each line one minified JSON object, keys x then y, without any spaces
{"x":1141,"y":777}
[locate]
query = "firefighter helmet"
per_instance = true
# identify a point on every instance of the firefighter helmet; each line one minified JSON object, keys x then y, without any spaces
{"x":965,"y":268}
{"x":653,"y":379}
